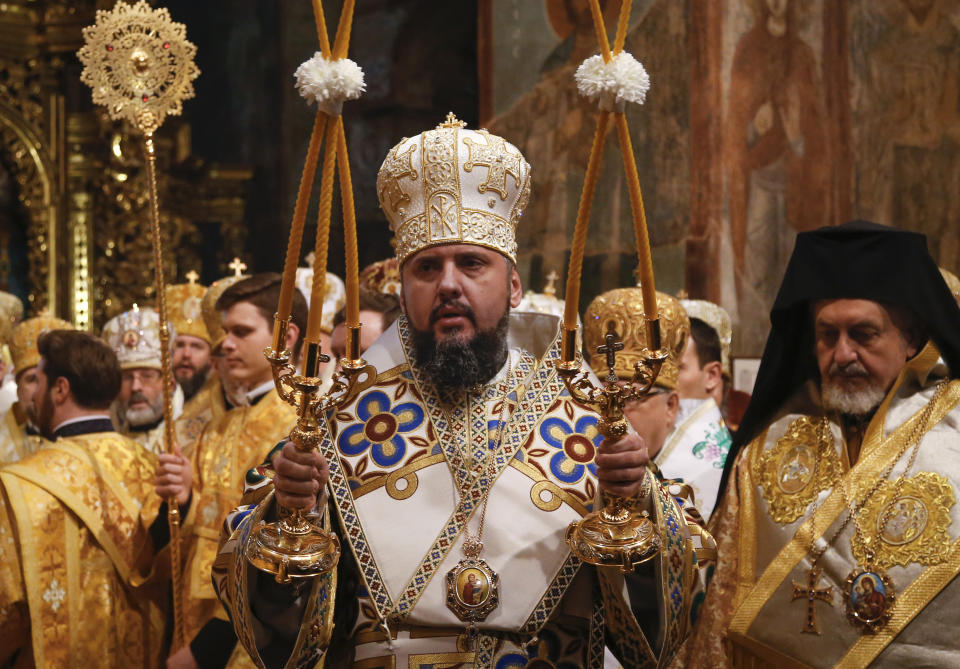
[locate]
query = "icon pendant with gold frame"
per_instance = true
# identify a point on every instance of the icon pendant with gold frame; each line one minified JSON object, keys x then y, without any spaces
{"x":868,"y":596}
{"x":473,"y":590}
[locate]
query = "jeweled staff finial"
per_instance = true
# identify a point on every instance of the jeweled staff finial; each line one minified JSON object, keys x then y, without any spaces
{"x":139,"y":64}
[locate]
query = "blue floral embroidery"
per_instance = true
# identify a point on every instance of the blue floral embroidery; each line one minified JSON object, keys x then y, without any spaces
{"x":381,"y":428}
{"x":577,"y":445}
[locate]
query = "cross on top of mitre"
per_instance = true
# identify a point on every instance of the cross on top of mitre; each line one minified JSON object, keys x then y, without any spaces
{"x":238,"y":266}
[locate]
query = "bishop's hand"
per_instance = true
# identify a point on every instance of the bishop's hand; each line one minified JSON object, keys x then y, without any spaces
{"x":299,"y":477}
{"x":621,"y":465}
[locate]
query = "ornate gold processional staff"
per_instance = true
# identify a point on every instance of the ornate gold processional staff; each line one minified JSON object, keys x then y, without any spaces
{"x":140,"y":66}
{"x":294,"y":547}
{"x":614,"y":535}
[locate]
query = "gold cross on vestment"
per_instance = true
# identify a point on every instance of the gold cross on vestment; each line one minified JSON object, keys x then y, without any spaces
{"x":613,"y":344}
{"x":812,"y":594}
{"x":192,"y":277}
{"x":237,"y":266}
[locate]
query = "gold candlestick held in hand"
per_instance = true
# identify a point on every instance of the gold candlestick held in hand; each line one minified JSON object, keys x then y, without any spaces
{"x":294,"y":547}
{"x":140,"y":66}
{"x":614,"y":535}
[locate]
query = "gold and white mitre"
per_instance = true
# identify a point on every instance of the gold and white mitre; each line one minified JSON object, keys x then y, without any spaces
{"x":334,"y":293}
{"x":23,"y":339}
{"x":135,"y":337}
{"x":545,"y":302}
{"x":382,"y":276}
{"x":623,"y":308}
{"x":451,"y":185}
{"x":185,"y":309}
{"x":717,"y":318}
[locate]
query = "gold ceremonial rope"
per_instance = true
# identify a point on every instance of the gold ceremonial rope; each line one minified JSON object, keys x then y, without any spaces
{"x":294,"y":547}
{"x":140,"y":66}
{"x":614,"y":535}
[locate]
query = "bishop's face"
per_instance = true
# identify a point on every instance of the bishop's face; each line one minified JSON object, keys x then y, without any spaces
{"x":860,"y":352}
{"x":27,"y":381}
{"x":458,"y":290}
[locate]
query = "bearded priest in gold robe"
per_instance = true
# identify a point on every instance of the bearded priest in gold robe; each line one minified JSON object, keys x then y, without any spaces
{"x":75,"y":525}
{"x":453,"y":479}
{"x":839,"y":531}
{"x":190,"y":360}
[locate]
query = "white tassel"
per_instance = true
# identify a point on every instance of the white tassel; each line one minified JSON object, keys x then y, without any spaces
{"x":329,"y":82}
{"x":613,"y":84}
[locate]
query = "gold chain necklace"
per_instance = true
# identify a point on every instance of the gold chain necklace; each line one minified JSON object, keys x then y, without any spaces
{"x":473,"y":587}
{"x":869,"y":591}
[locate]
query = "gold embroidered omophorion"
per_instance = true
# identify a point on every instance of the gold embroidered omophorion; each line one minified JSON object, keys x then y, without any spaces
{"x":796,"y":470}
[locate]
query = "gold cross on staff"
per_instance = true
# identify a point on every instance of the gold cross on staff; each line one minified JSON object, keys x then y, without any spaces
{"x":192,"y":277}
{"x":812,"y":594}
{"x":610,"y":348}
{"x":237,"y":266}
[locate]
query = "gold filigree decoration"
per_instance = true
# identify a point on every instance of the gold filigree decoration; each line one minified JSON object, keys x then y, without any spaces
{"x":909,"y":527}
{"x":395,"y":167}
{"x":139,"y":64}
{"x":801,"y":464}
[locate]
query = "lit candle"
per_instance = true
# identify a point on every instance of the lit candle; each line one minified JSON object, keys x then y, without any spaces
{"x":299,"y":217}
{"x":349,"y":230}
{"x":318,"y":288}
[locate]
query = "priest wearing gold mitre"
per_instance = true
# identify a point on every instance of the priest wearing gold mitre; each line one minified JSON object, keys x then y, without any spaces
{"x":75,"y":517}
{"x":19,"y":435}
{"x":191,"y":362}
{"x":839,"y":528}
{"x":687,"y":445}
{"x":211,"y":482}
{"x":466,"y":445}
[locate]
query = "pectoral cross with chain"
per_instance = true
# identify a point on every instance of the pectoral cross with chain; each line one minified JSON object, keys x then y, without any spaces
{"x":811,"y":593}
{"x":609,"y":349}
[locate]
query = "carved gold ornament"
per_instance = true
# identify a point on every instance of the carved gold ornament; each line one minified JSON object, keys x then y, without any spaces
{"x":139,"y":64}
{"x":800,"y":465}
{"x":910,"y":526}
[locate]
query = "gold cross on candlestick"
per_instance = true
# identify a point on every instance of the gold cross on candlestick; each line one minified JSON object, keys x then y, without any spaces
{"x":812,"y":594}
{"x":613,"y":344}
{"x":237,"y":266}
{"x":192,"y":277}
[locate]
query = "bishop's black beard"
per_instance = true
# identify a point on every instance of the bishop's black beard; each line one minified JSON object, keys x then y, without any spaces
{"x":459,"y":364}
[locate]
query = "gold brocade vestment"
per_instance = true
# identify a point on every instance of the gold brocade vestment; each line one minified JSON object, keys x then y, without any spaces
{"x":228,"y":447}
{"x":15,"y":443}
{"x":777,"y":503}
{"x":76,"y":555}
{"x":205,"y":407}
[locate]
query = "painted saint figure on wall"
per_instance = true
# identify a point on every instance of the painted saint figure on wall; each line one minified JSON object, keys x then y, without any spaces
{"x":777,"y":165}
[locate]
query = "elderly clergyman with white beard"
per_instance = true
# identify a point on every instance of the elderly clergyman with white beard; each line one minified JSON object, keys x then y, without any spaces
{"x":138,"y":410}
{"x":839,"y":532}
